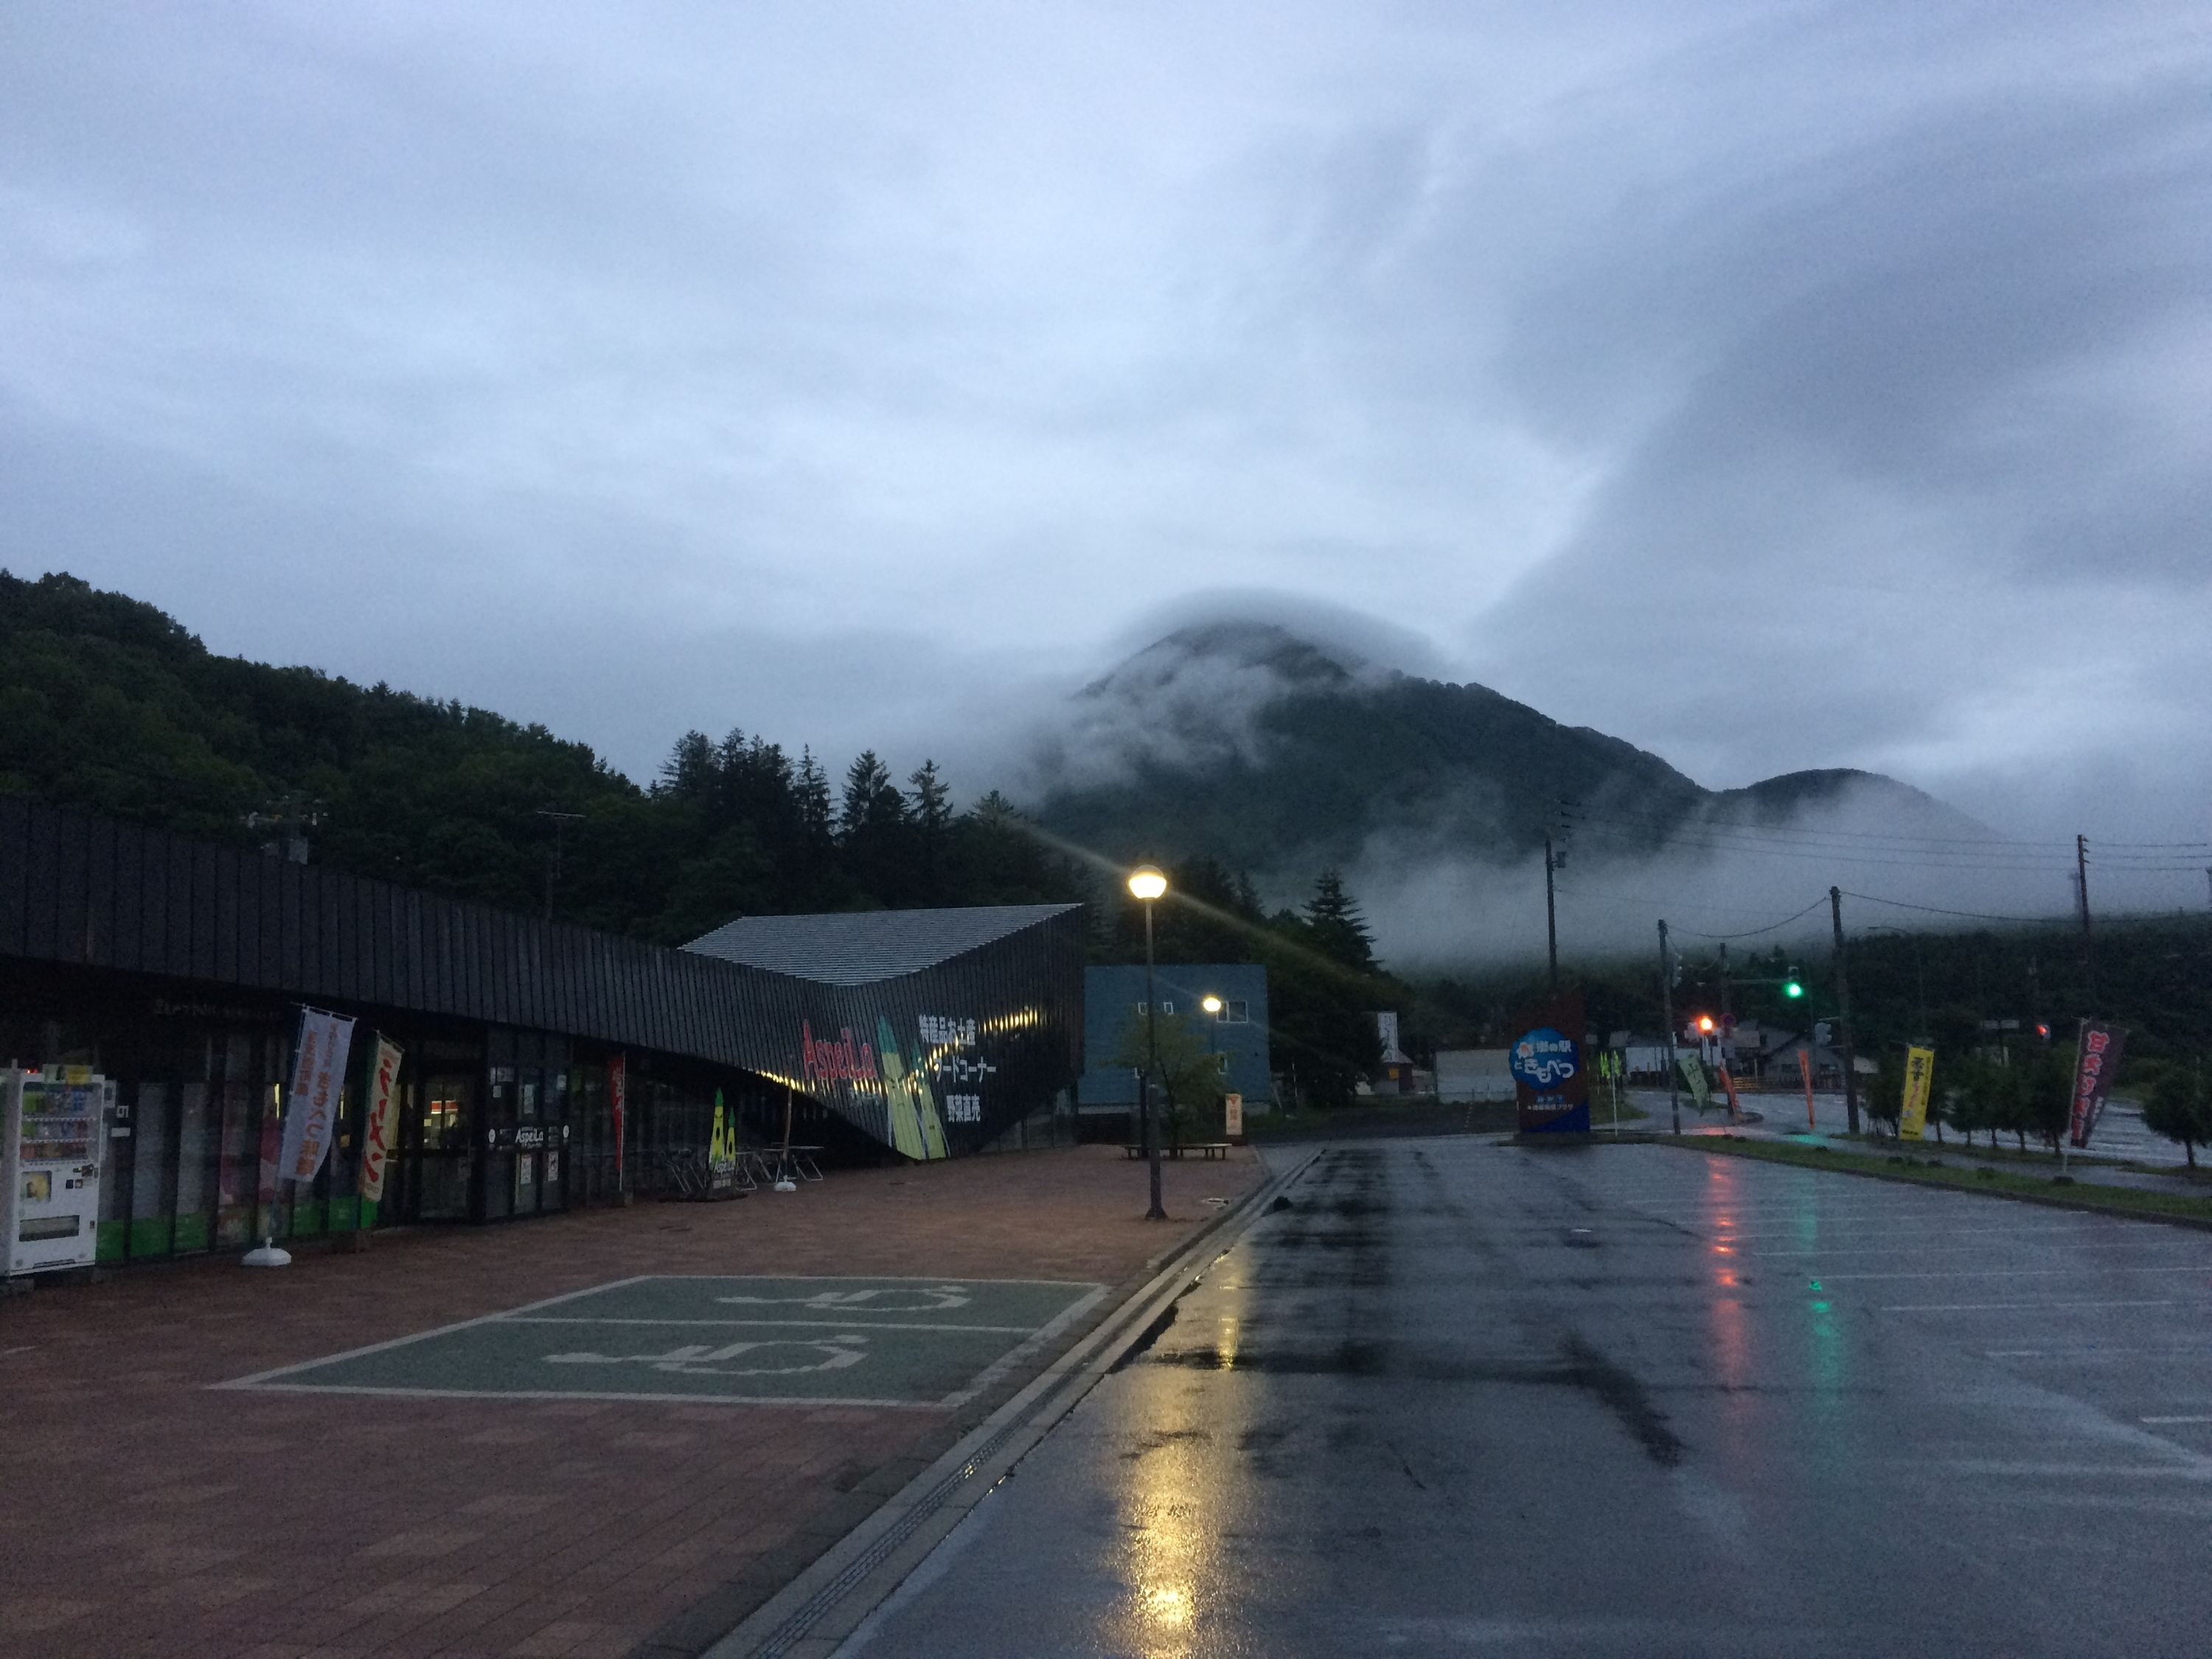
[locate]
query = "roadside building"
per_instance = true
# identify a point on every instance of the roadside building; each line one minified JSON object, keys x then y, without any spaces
{"x":544,"y":1066}
{"x":1114,"y":1016}
{"x":1470,"y":1075}
{"x":1394,"y":1075}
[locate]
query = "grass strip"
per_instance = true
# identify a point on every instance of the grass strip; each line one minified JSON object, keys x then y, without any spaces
{"x":2179,"y":1208}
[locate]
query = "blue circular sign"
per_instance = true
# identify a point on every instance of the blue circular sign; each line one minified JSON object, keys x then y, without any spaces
{"x":1544,"y":1059}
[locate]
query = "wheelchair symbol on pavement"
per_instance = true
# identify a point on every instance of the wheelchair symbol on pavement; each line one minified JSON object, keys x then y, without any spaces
{"x":903,"y":1298}
{"x":770,"y":1356}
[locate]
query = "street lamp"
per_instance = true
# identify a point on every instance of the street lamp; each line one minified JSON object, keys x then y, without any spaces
{"x":1147,"y":884}
{"x":1212,"y":1004}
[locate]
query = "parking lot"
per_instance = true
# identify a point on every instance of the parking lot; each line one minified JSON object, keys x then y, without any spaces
{"x":601,"y":1434}
{"x":735,"y":1340}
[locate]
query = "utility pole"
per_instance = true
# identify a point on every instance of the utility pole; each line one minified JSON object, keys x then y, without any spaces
{"x":1551,"y":914}
{"x":2089,"y":944}
{"x":1667,"y":1002}
{"x":1728,"y":1018}
{"x":1843,"y":1013}
{"x":561,"y":821}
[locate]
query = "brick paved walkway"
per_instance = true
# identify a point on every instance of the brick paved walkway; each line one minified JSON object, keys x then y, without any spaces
{"x":147,"y":1514}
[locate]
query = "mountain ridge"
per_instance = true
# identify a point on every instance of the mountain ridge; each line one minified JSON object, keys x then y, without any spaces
{"x":1251,"y":743}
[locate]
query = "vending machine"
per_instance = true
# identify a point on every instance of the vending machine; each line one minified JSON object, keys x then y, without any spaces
{"x":52,"y":1135}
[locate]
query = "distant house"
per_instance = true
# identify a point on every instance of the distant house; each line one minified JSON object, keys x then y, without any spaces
{"x":1113,"y":1002}
{"x":1396,"y":1073}
{"x":1780,"y":1064}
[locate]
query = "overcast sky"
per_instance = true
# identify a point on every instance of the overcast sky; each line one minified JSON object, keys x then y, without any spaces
{"x":1773,"y":386}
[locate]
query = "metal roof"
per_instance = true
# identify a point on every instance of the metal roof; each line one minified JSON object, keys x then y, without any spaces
{"x":860,"y":947}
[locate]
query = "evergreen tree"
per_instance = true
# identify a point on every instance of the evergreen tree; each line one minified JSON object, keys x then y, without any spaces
{"x":815,"y":819}
{"x":691,"y":769}
{"x":1335,"y":926}
{"x":930,"y":812}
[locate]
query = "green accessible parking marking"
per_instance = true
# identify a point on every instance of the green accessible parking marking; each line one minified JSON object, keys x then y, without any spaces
{"x":932,"y":1342}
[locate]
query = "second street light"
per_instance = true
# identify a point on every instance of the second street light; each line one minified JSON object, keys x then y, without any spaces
{"x":1147,"y":884}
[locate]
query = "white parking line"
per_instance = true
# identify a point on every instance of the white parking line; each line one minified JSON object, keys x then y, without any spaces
{"x":2023,"y":1273}
{"x":2037,"y":1307}
{"x":1914,"y":1246}
{"x":843,"y":1323}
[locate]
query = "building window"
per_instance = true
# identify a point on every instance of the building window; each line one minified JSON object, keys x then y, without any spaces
{"x":1221,"y":1061}
{"x":1235,"y":1012}
{"x":1166,"y":1007}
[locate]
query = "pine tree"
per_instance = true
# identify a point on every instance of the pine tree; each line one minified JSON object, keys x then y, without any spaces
{"x":689,"y":771}
{"x":814,"y":810}
{"x":872,"y":801}
{"x":931,"y":814}
{"x":1337,"y":928}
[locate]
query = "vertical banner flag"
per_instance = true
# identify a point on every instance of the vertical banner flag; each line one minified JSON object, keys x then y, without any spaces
{"x":1919,"y":1074}
{"x":2097,"y":1056}
{"x":1550,"y":1082}
{"x":311,"y":1102}
{"x":722,"y":1149}
{"x":617,"y":1098}
{"x":1693,"y":1073}
{"x":1232,"y":1117}
{"x":376,"y":1137}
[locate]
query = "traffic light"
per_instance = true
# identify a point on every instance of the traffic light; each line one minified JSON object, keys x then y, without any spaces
{"x":1792,"y":986}
{"x":1704,"y":1025}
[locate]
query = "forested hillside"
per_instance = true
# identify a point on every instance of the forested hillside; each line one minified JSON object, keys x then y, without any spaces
{"x":109,"y":705}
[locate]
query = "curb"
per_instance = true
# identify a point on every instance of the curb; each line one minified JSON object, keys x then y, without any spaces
{"x":2048,"y":1200}
{"x":813,"y":1614}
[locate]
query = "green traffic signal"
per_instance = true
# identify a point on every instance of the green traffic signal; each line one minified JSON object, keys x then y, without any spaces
{"x":1793,"y":989}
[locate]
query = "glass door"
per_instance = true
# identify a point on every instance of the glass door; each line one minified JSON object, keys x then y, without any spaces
{"x":441,"y":1161}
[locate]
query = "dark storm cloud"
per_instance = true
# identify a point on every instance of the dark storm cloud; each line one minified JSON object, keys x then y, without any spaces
{"x":1775,"y":385}
{"x":1928,"y":409}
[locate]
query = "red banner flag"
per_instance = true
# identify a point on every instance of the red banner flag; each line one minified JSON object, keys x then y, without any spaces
{"x":617,"y":1097}
{"x":2096,"y":1057}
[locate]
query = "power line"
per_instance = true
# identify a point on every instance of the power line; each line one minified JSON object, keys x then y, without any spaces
{"x":1815,"y":853}
{"x":1755,"y":932}
{"x":1704,"y":825}
{"x":1938,"y":910}
{"x":1703,"y":821}
{"x":2010,"y":857}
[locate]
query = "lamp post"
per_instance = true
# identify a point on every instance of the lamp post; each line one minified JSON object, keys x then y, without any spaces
{"x":1212,"y":1004}
{"x":1147,"y":884}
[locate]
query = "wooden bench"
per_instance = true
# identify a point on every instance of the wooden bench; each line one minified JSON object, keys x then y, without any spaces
{"x":1210,"y":1149}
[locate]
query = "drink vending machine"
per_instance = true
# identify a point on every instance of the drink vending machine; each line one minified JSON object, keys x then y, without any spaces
{"x":53,"y":1138}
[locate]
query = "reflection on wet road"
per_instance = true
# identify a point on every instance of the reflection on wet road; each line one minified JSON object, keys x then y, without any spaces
{"x":1453,"y":1397}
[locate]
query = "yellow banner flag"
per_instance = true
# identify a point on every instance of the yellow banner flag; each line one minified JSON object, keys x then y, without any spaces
{"x":1919,"y":1068}
{"x":722,"y":1146}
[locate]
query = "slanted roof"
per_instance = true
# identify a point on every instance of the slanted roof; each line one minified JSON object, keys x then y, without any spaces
{"x":862,"y":946}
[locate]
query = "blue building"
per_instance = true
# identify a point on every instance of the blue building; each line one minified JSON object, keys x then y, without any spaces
{"x":1113,"y":1003}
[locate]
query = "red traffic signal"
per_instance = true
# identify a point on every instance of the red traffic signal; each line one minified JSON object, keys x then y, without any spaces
{"x":1705,"y":1025}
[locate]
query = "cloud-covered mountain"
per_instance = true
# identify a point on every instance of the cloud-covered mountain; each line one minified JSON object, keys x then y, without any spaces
{"x":1278,"y":754}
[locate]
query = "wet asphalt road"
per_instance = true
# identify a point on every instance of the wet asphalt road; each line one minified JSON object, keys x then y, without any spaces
{"x":1456,"y":1397}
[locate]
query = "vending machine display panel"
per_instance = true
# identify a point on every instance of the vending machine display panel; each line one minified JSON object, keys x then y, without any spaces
{"x":52,"y":1131}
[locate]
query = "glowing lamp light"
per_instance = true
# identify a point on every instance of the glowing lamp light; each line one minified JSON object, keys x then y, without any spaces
{"x":1211,"y":1003}
{"x":1146,"y":883}
{"x":1705,"y":1023}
